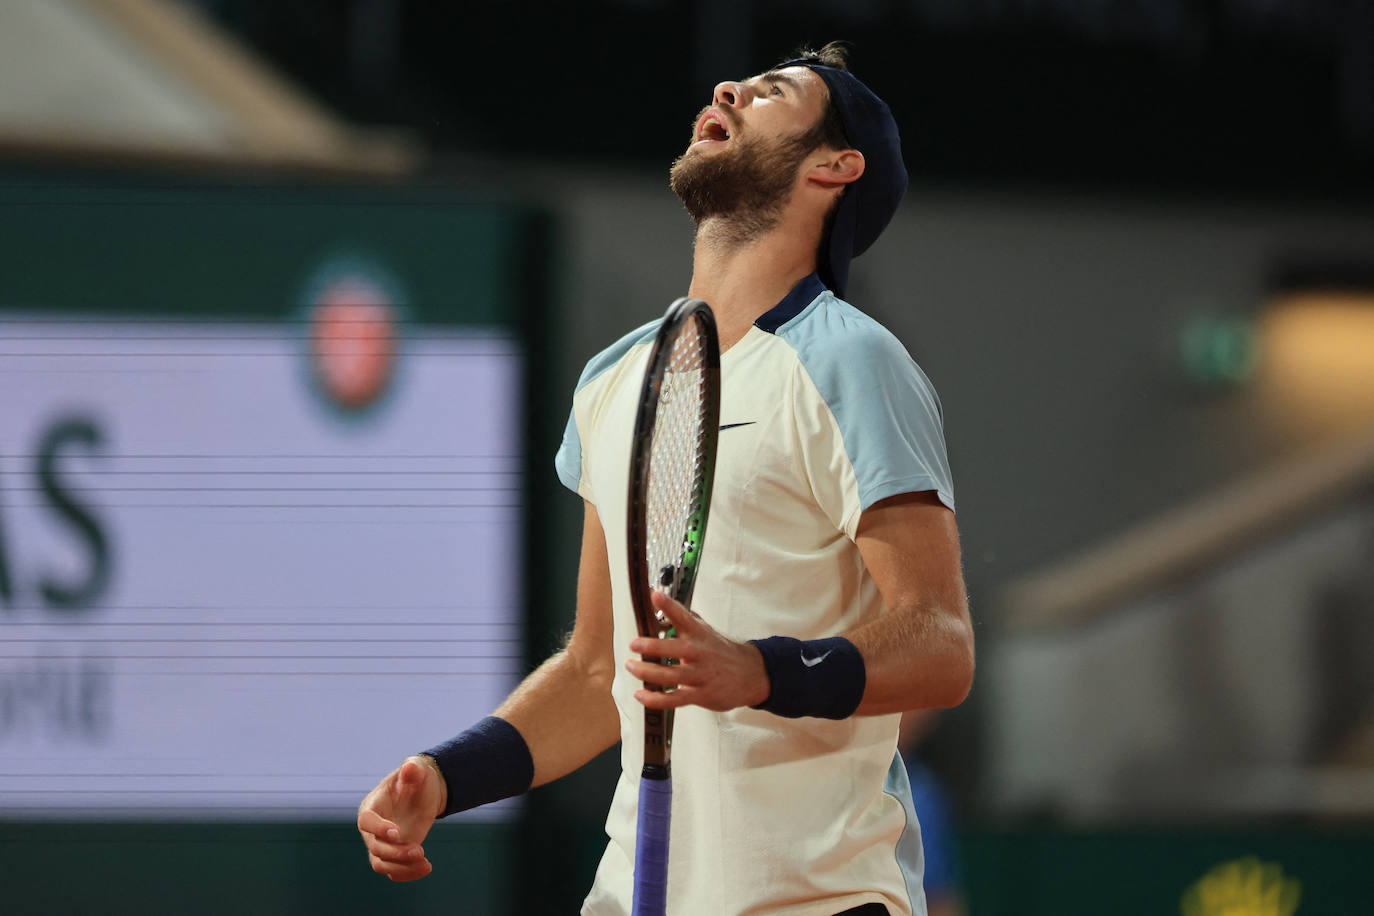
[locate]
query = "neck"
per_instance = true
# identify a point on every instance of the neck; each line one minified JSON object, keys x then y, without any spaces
{"x":742,"y":278}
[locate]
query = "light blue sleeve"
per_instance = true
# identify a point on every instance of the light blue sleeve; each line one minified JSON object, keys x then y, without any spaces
{"x":887,"y":411}
{"x":568,"y":461}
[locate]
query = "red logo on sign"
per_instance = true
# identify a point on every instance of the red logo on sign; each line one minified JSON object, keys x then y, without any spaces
{"x":353,"y":339}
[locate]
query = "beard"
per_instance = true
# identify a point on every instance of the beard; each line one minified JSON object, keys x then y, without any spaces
{"x":746,"y":185}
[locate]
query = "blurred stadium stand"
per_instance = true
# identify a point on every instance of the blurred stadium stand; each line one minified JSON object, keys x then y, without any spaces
{"x":151,"y":82}
{"x":1260,"y":95}
{"x":1215,"y":664}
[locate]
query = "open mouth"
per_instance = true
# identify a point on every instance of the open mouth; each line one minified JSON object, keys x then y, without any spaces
{"x":711,"y":127}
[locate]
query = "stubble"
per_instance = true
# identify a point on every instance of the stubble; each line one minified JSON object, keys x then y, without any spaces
{"x":744,"y":187}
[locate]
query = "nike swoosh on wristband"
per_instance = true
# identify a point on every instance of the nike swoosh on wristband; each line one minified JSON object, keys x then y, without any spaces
{"x":813,"y":662}
{"x":733,"y":425}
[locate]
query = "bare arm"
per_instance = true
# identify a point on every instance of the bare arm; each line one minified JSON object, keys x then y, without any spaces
{"x":917,"y":655}
{"x":563,"y":710}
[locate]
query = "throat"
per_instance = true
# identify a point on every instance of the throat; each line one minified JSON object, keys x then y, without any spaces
{"x":732,"y":333}
{"x":727,"y":236}
{"x":743,"y":280}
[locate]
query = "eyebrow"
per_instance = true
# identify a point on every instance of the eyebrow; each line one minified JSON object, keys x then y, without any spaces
{"x":777,"y":76}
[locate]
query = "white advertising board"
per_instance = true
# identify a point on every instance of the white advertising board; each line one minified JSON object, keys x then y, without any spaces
{"x":224,"y":595}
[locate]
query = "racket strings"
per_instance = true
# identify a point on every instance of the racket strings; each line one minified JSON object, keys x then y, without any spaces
{"x":676,"y":464}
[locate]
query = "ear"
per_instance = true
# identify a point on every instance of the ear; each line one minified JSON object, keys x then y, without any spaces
{"x":839,"y":167}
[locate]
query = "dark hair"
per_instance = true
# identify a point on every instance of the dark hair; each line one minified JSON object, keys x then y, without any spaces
{"x":830,"y":130}
{"x":835,"y":54}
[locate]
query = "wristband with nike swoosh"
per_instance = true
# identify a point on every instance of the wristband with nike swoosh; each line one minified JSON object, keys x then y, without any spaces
{"x":823,"y":678}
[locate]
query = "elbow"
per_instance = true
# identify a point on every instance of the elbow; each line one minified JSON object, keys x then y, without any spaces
{"x":957,"y":680}
{"x":593,"y":667}
{"x":599,"y":673}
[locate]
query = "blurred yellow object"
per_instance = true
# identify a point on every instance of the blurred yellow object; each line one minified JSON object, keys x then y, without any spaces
{"x":1319,"y":359}
{"x":1245,"y":887}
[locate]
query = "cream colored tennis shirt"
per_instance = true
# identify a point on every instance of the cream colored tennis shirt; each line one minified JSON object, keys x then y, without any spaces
{"x":823,"y":414}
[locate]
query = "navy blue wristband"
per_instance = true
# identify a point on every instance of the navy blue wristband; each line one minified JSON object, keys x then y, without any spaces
{"x":823,"y":678}
{"x":486,"y":763}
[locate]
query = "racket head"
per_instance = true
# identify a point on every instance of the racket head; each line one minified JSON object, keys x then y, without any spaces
{"x":672,"y":466}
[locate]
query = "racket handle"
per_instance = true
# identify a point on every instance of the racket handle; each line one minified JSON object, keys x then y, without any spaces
{"x":651,"y":849}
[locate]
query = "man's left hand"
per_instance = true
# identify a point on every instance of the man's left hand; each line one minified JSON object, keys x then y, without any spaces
{"x":710,"y":671}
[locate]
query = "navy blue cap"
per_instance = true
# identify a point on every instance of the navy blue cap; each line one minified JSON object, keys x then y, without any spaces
{"x":868,"y":204}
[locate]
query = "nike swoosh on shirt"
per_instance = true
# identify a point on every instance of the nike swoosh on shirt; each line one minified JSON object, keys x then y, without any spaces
{"x":813,"y":662}
{"x":733,"y":425}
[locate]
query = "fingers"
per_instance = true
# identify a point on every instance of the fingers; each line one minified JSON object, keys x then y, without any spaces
{"x":409,"y":870}
{"x":420,"y":782}
{"x":410,"y":779}
{"x":407,"y":782}
{"x":692,"y":632}
{"x":684,"y":620}
{"x":370,"y":823}
{"x":398,"y":804}
{"x":410,"y":775}
{"x":662,"y":675}
{"x":388,"y":856}
{"x":657,"y":699}
{"x":674,"y":647}
{"x":398,"y":861}
{"x":395,"y":853}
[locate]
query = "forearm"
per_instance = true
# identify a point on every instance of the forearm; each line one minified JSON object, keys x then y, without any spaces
{"x":919,"y":653}
{"x":914,"y":658}
{"x":906,"y":659}
{"x":565,"y":713}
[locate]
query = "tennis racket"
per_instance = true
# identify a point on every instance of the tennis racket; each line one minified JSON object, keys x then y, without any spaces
{"x":672,"y":460}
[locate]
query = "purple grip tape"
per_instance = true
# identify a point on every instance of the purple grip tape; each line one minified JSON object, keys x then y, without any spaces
{"x":651,"y":849}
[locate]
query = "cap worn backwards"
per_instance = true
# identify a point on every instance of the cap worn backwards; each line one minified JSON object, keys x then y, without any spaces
{"x":868,"y":204}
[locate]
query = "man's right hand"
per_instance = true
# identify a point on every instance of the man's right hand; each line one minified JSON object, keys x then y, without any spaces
{"x":396,"y":816}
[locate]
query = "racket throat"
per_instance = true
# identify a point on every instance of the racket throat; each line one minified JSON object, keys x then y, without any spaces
{"x":656,"y":771}
{"x":670,"y":579}
{"x":658,"y":742}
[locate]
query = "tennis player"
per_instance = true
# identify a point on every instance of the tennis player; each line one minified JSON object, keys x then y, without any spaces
{"x":830,"y":595}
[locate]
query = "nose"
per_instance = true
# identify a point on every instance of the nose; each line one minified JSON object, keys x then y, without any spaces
{"x":730,"y":94}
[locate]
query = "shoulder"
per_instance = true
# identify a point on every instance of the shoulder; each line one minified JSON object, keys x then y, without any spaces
{"x":831,"y":330}
{"x":884,"y":408}
{"x":613,"y":355}
{"x":599,"y":377}
{"x":842,"y":349}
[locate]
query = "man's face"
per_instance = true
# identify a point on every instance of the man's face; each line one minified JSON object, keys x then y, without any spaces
{"x":748,"y":146}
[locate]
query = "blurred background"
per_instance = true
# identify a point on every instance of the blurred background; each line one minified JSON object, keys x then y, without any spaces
{"x":293,"y":296}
